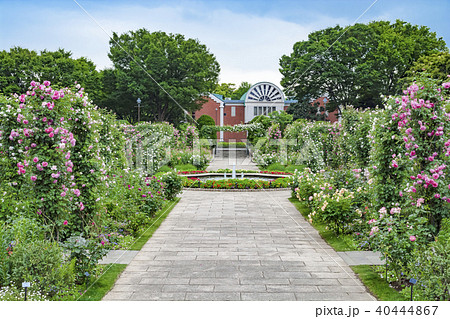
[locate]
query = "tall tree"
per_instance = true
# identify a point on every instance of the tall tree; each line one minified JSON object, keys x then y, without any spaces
{"x":243,"y":88}
{"x":435,"y":65}
{"x":229,"y":90}
{"x":305,"y":109}
{"x":166,"y":71}
{"x":225,"y":89}
{"x":18,"y":67}
{"x":355,"y":66}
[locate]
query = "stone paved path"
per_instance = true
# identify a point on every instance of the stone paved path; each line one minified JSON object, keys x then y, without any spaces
{"x":237,"y":246}
{"x":241,"y":162}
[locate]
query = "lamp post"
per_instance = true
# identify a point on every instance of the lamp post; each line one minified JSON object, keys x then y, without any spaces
{"x":139,"y":109}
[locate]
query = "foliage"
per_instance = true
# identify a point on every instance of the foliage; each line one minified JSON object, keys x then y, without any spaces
{"x":44,"y":264}
{"x":229,"y":90}
{"x":206,"y":120}
{"x":172,"y":185}
{"x":236,"y":183}
{"x":18,"y":67}
{"x":430,"y":266}
{"x":435,"y":65}
{"x":305,"y":109}
{"x":281,"y":118}
{"x":172,"y":71}
{"x":354,"y":137}
{"x":356,"y":65}
{"x":377,"y":286}
{"x":105,"y":282}
{"x":87,"y":253}
{"x":51,"y":152}
{"x":254,"y":135}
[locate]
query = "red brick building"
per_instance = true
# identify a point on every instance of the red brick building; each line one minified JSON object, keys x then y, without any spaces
{"x":261,"y":99}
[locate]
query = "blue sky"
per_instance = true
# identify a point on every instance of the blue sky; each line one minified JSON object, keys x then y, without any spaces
{"x":247,"y":37}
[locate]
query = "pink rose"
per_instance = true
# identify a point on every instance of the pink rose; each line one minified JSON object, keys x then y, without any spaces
{"x":65,"y":222}
{"x":412,"y":238}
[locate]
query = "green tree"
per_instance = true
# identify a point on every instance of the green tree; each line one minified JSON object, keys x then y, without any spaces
{"x":166,"y":71}
{"x":225,"y":89}
{"x":18,"y":67}
{"x":243,"y":88}
{"x":355,"y":66}
{"x":281,"y":118}
{"x":229,"y":90}
{"x":304,"y":109}
{"x":436,"y":65}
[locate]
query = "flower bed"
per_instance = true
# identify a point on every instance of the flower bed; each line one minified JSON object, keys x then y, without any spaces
{"x":191,"y":172}
{"x":194,"y":182}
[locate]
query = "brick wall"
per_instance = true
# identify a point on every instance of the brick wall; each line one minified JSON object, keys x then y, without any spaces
{"x":209,"y":108}
{"x":233,"y":120}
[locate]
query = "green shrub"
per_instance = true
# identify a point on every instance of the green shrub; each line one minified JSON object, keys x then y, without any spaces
{"x":254,"y":136}
{"x":164,"y":169}
{"x":205,"y":120}
{"x":43,"y":263}
{"x":87,"y":253}
{"x":172,"y":185}
{"x":430,"y":266}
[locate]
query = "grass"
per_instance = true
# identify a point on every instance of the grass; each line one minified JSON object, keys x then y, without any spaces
{"x":165,"y":169}
{"x":275,"y":167}
{"x":158,"y":219}
{"x":104,"y":283}
{"x":292,"y":168}
{"x":186,"y":167}
{"x":231,"y":145}
{"x":377,"y":286}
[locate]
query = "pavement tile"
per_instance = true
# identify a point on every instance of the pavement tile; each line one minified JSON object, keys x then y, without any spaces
{"x":237,"y":246}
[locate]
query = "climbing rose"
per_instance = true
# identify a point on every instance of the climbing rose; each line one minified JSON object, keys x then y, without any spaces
{"x":412,"y":238}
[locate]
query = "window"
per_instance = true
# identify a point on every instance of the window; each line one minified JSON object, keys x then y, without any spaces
{"x":255,"y":111}
{"x":233,"y":111}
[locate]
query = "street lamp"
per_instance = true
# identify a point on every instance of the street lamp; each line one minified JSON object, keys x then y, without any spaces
{"x":139,"y":109}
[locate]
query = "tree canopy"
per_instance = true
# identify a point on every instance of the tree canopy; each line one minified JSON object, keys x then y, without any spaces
{"x":305,"y":109}
{"x":166,"y":71}
{"x":230,"y":90}
{"x":435,"y":65}
{"x":356,"y":65}
{"x":18,"y":67}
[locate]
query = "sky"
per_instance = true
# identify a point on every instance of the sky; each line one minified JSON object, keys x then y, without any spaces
{"x":247,"y":37}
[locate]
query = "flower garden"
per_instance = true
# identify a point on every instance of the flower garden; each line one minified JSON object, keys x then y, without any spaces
{"x":77,"y":183}
{"x":380,"y":179}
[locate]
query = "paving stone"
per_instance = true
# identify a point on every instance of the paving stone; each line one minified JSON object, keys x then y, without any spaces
{"x":160,"y":296}
{"x":268,"y":296}
{"x":237,"y":246}
{"x":215,"y":296}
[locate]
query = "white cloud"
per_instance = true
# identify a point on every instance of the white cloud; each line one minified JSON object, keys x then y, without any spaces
{"x":247,"y":47}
